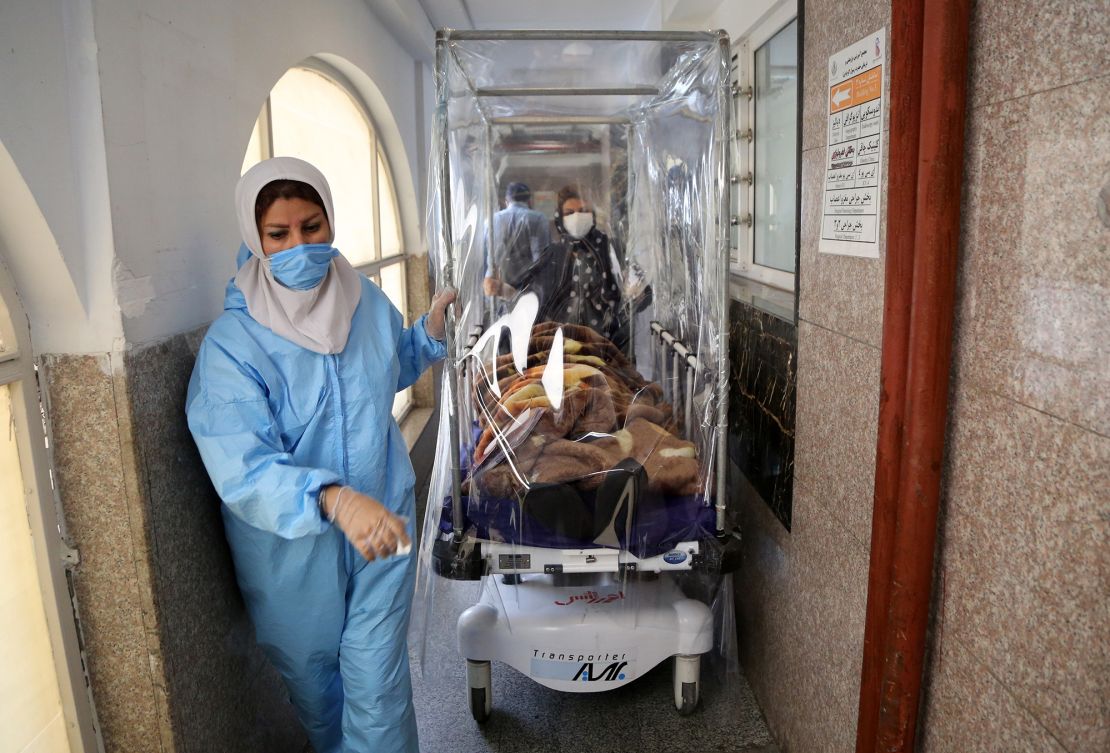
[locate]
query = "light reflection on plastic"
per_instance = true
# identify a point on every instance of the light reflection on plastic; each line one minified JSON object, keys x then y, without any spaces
{"x":552,"y":379}
{"x":519,"y":322}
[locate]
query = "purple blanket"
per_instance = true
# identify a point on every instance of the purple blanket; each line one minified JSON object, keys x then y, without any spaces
{"x":658,"y":524}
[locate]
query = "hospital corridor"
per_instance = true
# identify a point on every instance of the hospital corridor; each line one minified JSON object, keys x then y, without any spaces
{"x":501,"y":376}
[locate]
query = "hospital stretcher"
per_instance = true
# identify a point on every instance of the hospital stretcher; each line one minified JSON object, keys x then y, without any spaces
{"x":593,"y":568}
{"x":590,"y":579}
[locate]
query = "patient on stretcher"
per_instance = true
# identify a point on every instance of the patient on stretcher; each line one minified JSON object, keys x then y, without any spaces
{"x":605,"y":413}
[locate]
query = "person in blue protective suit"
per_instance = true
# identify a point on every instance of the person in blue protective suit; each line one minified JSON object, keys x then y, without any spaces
{"x":290,"y":404}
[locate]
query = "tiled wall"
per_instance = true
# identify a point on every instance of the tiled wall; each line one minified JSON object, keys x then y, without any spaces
{"x":223,"y":694}
{"x":1018,"y":657}
{"x":86,"y":404}
{"x":1021,"y":654}
{"x":171,"y":652}
{"x":801,"y":595}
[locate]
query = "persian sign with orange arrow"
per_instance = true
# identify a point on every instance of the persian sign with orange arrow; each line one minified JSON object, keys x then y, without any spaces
{"x":853,"y":165}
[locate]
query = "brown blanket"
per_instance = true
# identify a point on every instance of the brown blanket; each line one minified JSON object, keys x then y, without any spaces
{"x":607,"y":412}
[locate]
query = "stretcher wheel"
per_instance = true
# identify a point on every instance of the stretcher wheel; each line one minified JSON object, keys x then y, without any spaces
{"x":479,"y":704}
{"x":687,"y":683}
{"x":479,"y":682}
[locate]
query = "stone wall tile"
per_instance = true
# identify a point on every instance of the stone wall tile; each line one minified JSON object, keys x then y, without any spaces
{"x":841,"y":293}
{"x":801,"y":598}
{"x":970,"y":711}
{"x":88,"y":465}
{"x":832,"y":26}
{"x":1020,"y":47}
{"x":1035,"y":263}
{"x":1026,"y":562}
{"x":223,"y":694}
{"x":837,"y":425}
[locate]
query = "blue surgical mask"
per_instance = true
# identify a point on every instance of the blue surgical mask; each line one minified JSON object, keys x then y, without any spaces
{"x":302,"y":267}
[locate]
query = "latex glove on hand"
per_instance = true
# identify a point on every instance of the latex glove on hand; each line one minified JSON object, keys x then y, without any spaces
{"x":436,"y":322}
{"x":372,"y":529}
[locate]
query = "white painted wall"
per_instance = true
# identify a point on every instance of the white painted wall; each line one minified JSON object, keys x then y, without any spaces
{"x":122,"y":135}
{"x":182,"y":84}
{"x":124,"y":127}
{"x":55,"y":229}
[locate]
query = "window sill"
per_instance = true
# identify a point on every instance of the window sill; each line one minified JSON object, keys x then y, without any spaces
{"x":774,"y":301}
{"x":413,"y":424}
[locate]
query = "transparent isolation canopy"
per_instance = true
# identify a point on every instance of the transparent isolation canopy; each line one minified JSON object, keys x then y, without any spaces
{"x":636,"y":125}
{"x":578,"y":203}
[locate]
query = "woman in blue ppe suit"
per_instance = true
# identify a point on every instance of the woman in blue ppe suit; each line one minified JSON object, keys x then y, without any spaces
{"x":290,"y":404}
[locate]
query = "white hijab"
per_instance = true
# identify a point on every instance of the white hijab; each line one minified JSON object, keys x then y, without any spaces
{"x":319,"y":318}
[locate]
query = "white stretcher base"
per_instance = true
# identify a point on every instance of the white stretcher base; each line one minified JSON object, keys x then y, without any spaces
{"x":584,"y":638}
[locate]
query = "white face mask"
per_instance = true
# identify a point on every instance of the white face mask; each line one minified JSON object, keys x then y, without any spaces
{"x":578,"y":224}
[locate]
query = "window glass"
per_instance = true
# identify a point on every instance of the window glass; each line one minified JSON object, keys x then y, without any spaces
{"x":254,"y":153}
{"x":776,"y":140}
{"x":393,"y":284}
{"x":311,"y":116}
{"x":316,"y":120}
{"x":388,"y":215}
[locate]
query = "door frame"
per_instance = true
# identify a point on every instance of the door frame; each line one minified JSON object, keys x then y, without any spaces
{"x":53,"y":556}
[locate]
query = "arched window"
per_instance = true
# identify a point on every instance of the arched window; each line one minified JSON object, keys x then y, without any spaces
{"x":314,"y":113}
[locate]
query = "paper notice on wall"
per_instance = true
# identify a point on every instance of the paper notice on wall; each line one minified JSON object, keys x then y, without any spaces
{"x":853,"y":165}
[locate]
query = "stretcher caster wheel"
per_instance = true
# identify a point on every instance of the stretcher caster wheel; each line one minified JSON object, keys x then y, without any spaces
{"x":479,"y":682}
{"x":687,"y":683}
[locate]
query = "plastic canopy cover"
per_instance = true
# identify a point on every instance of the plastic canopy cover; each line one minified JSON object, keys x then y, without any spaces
{"x":582,"y":400}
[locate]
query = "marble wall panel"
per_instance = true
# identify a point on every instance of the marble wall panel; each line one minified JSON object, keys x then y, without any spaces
{"x":968,"y":710}
{"x":841,"y":293}
{"x":832,"y":26}
{"x":838,"y":414}
{"x":112,"y":589}
{"x":762,"y":387}
{"x":223,"y":694}
{"x":1035,"y":272}
{"x":1025,"y":562}
{"x":801,"y":596}
{"x":801,"y":601}
{"x":1019,"y":47}
{"x":1018,"y":659}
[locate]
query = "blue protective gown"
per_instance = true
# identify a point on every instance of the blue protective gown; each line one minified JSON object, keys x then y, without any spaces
{"x":274,"y":423}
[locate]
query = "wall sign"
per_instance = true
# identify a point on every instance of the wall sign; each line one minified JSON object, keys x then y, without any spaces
{"x":853,"y":165}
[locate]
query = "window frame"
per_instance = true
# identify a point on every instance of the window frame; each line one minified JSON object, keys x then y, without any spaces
{"x":373,"y":268}
{"x":742,"y":254}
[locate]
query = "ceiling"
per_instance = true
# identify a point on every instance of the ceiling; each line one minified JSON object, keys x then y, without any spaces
{"x":413,"y":21}
{"x":543,"y":14}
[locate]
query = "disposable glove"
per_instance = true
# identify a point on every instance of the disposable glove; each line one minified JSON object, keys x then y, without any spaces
{"x":372,"y":529}
{"x":435,"y":324}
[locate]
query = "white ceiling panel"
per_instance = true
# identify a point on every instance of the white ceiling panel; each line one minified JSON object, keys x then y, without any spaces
{"x":544,"y":14}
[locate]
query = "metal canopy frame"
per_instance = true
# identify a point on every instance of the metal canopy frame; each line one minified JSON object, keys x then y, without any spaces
{"x":454,"y":357}
{"x":576,"y":35}
{"x":566,"y":91}
{"x":560,"y":120}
